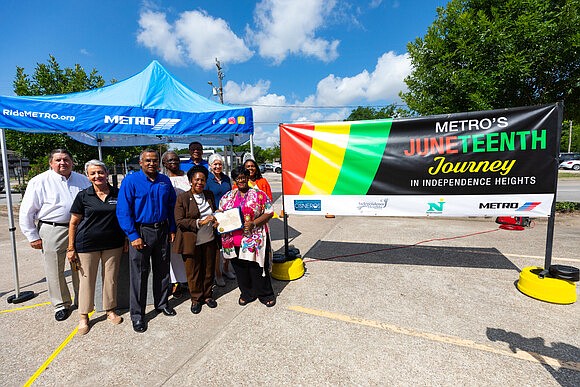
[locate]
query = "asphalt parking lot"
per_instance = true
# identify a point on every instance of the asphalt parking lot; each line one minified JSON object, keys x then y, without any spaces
{"x":384,"y":301}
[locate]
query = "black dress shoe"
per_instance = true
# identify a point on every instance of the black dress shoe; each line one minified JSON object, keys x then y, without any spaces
{"x":196,"y":307}
{"x":210,"y":302}
{"x":168,"y":311}
{"x":61,"y":315}
{"x":139,"y":326}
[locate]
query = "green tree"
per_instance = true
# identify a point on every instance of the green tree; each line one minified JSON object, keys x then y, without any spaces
{"x":488,"y":54}
{"x":272,"y":154}
{"x":371,"y":113}
{"x":51,"y":78}
{"x":258,"y":151}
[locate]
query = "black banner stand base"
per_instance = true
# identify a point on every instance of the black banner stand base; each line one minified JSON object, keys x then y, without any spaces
{"x":23,"y":296}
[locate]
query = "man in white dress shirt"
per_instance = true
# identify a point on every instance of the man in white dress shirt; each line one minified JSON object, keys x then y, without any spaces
{"x":44,"y":218}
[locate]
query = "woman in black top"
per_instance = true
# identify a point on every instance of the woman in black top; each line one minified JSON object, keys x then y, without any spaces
{"x":95,"y":235}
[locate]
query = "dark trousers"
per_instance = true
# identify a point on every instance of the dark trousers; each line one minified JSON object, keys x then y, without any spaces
{"x":253,"y":280}
{"x":154,"y":256}
{"x":200,"y":271}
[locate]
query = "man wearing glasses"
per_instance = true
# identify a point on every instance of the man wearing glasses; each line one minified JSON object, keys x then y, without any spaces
{"x":196,"y":152}
{"x":145,"y":212}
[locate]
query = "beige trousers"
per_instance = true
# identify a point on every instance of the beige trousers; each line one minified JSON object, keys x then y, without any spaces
{"x":54,"y":244}
{"x":110,"y":261}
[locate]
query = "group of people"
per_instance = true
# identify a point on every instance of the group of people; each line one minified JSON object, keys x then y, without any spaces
{"x":166,"y":221}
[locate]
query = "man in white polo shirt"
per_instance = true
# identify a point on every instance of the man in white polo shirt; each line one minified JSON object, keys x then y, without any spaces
{"x":44,"y":218}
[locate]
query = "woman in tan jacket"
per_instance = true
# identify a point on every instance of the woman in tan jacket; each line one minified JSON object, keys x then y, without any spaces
{"x":195,"y":239}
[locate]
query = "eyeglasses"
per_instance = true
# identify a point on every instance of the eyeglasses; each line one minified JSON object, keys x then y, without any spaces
{"x":241,"y":178}
{"x":151,"y":161}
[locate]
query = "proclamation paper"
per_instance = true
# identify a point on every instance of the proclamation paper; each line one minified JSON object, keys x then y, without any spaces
{"x":229,"y":220}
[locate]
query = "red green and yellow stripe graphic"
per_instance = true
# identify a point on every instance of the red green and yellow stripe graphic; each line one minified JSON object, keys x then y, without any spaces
{"x":339,"y":158}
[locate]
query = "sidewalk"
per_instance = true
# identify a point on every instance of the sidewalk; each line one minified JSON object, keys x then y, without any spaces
{"x":376,"y":307}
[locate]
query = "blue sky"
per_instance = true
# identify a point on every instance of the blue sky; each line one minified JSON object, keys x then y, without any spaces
{"x":291,"y":60}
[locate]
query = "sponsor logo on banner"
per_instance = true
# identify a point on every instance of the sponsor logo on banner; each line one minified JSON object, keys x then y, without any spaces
{"x":232,"y":120}
{"x":372,"y":204}
{"x":498,"y":205}
{"x":307,"y":205}
{"x":223,"y":121}
{"x":528,"y":206}
{"x":241,"y":120}
{"x":436,"y":208}
{"x":163,"y":124}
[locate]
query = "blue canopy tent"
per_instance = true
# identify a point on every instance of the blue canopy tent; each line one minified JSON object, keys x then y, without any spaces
{"x":151,"y":107}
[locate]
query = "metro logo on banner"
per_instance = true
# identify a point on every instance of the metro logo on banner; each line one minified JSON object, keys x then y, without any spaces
{"x":510,"y":153}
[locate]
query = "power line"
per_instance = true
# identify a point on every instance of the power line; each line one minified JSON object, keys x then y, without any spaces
{"x":318,"y":107}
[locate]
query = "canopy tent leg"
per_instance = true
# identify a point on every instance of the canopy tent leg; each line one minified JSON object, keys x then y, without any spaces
{"x":252,"y":146}
{"x":99,"y":141}
{"x":18,"y":296}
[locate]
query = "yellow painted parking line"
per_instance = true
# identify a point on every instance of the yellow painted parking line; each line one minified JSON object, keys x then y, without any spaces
{"x":53,"y":356}
{"x":50,"y":358}
{"x":24,"y":307}
{"x":452,"y":340}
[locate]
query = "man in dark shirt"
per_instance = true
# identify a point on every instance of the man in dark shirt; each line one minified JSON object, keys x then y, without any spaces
{"x":145,"y":210}
{"x":196,"y":152}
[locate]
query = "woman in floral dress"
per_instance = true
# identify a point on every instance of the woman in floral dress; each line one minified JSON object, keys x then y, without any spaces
{"x":248,"y":249}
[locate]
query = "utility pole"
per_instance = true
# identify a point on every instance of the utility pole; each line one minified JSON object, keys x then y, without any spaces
{"x":219,"y":91}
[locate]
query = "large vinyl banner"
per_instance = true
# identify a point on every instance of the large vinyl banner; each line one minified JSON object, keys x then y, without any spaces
{"x":488,"y":163}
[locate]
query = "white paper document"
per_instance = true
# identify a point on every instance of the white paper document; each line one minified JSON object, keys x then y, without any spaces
{"x":229,"y":220}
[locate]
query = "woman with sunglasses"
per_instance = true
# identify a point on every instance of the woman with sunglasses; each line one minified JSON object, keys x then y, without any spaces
{"x":170,"y":161}
{"x":248,"y":249}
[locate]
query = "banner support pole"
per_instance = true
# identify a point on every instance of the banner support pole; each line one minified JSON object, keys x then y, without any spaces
{"x":289,"y":254}
{"x":552,"y":218}
{"x":18,"y":296}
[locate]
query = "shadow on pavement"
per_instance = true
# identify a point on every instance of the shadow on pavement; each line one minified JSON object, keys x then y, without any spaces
{"x":564,"y":353}
{"x":277,"y":230}
{"x":410,"y":255}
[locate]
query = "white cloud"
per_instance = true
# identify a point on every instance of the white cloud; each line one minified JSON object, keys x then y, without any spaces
{"x":207,"y":38}
{"x":245,"y":93}
{"x":195,"y":36}
{"x":384,"y":83}
{"x":266,"y":137}
{"x":285,"y":27}
{"x":157,"y":35}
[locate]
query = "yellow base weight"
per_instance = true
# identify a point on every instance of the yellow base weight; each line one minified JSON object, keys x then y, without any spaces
{"x":554,"y":290}
{"x":289,"y":270}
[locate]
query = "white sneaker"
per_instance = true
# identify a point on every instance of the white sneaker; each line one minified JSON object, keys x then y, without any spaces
{"x":220,"y":281}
